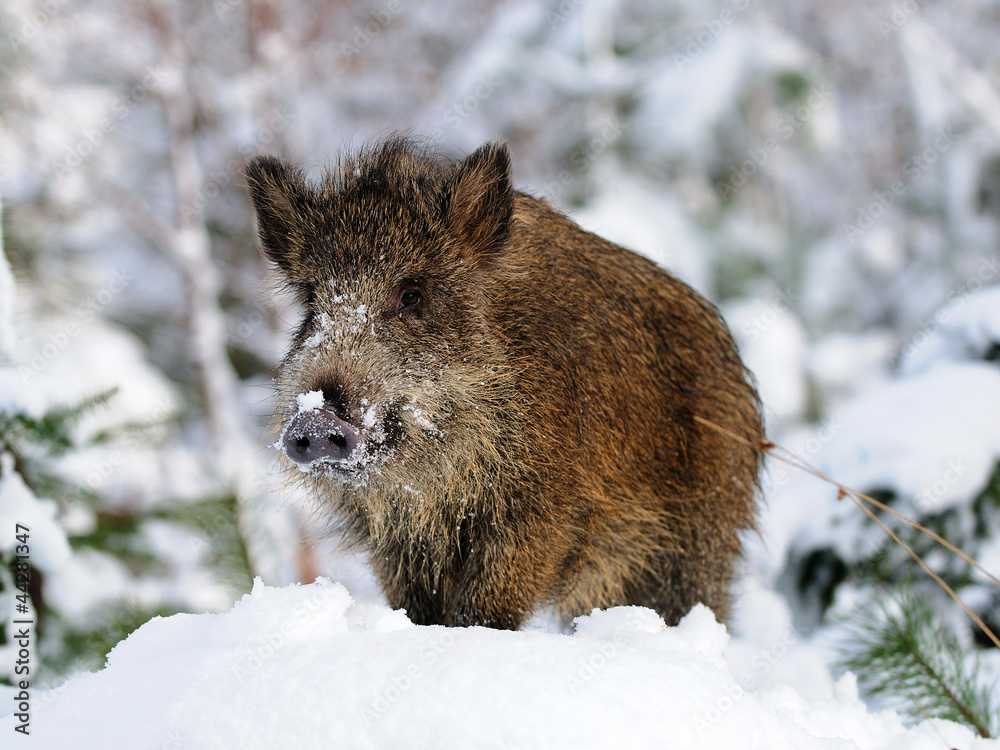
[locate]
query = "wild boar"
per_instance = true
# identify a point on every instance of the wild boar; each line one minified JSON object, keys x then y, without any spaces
{"x":498,"y":405}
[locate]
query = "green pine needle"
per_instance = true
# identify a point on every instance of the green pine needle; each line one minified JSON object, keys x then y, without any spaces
{"x":217,"y":519}
{"x":52,"y":431}
{"x":907,"y":657}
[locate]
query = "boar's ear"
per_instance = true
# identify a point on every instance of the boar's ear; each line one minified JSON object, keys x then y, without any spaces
{"x":482,"y":201}
{"x":282,"y":199}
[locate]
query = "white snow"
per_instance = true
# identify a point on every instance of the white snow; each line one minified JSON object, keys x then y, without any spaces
{"x":964,"y":328}
{"x":934,"y":436}
{"x":17,"y":396}
{"x":88,"y":579}
{"x":420,"y":417}
{"x":8,"y":340}
{"x":70,"y":358}
{"x":770,"y":651}
{"x":18,"y":505}
{"x":304,"y":666}
{"x":841,"y":364}
{"x":315,"y":340}
{"x":933,"y":439}
{"x":634,"y":214}
{"x":688,"y":97}
{"x":310,"y":401}
{"x":772,"y":343}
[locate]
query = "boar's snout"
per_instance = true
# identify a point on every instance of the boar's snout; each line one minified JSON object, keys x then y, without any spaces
{"x":320,"y":435}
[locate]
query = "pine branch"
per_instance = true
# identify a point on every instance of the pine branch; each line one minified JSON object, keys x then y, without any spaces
{"x":31,"y":441}
{"x":52,"y":431}
{"x":218,"y":520}
{"x":67,"y":416}
{"x":908,"y":653}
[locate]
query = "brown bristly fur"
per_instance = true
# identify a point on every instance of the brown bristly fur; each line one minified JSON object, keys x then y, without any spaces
{"x":531,"y":421}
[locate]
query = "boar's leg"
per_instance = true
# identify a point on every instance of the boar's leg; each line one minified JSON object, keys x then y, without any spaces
{"x":485,"y":582}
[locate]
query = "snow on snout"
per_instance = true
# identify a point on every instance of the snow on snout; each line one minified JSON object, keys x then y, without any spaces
{"x":310,"y":401}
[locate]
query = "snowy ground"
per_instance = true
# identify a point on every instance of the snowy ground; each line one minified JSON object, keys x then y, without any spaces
{"x":305,"y":667}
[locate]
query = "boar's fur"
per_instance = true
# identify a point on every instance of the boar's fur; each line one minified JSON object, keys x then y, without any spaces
{"x":509,"y":399}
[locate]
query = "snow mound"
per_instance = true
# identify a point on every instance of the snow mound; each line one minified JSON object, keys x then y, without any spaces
{"x":952,"y":408}
{"x":966,"y":328}
{"x":303,"y":666}
{"x":932,"y":439}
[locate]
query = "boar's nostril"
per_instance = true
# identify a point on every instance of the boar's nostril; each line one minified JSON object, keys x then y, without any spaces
{"x":320,"y":435}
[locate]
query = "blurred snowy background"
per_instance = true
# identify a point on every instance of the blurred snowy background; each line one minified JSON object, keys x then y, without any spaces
{"x":827,"y":172}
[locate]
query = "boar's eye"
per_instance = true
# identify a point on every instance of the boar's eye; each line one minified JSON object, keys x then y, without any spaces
{"x":410,"y":298}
